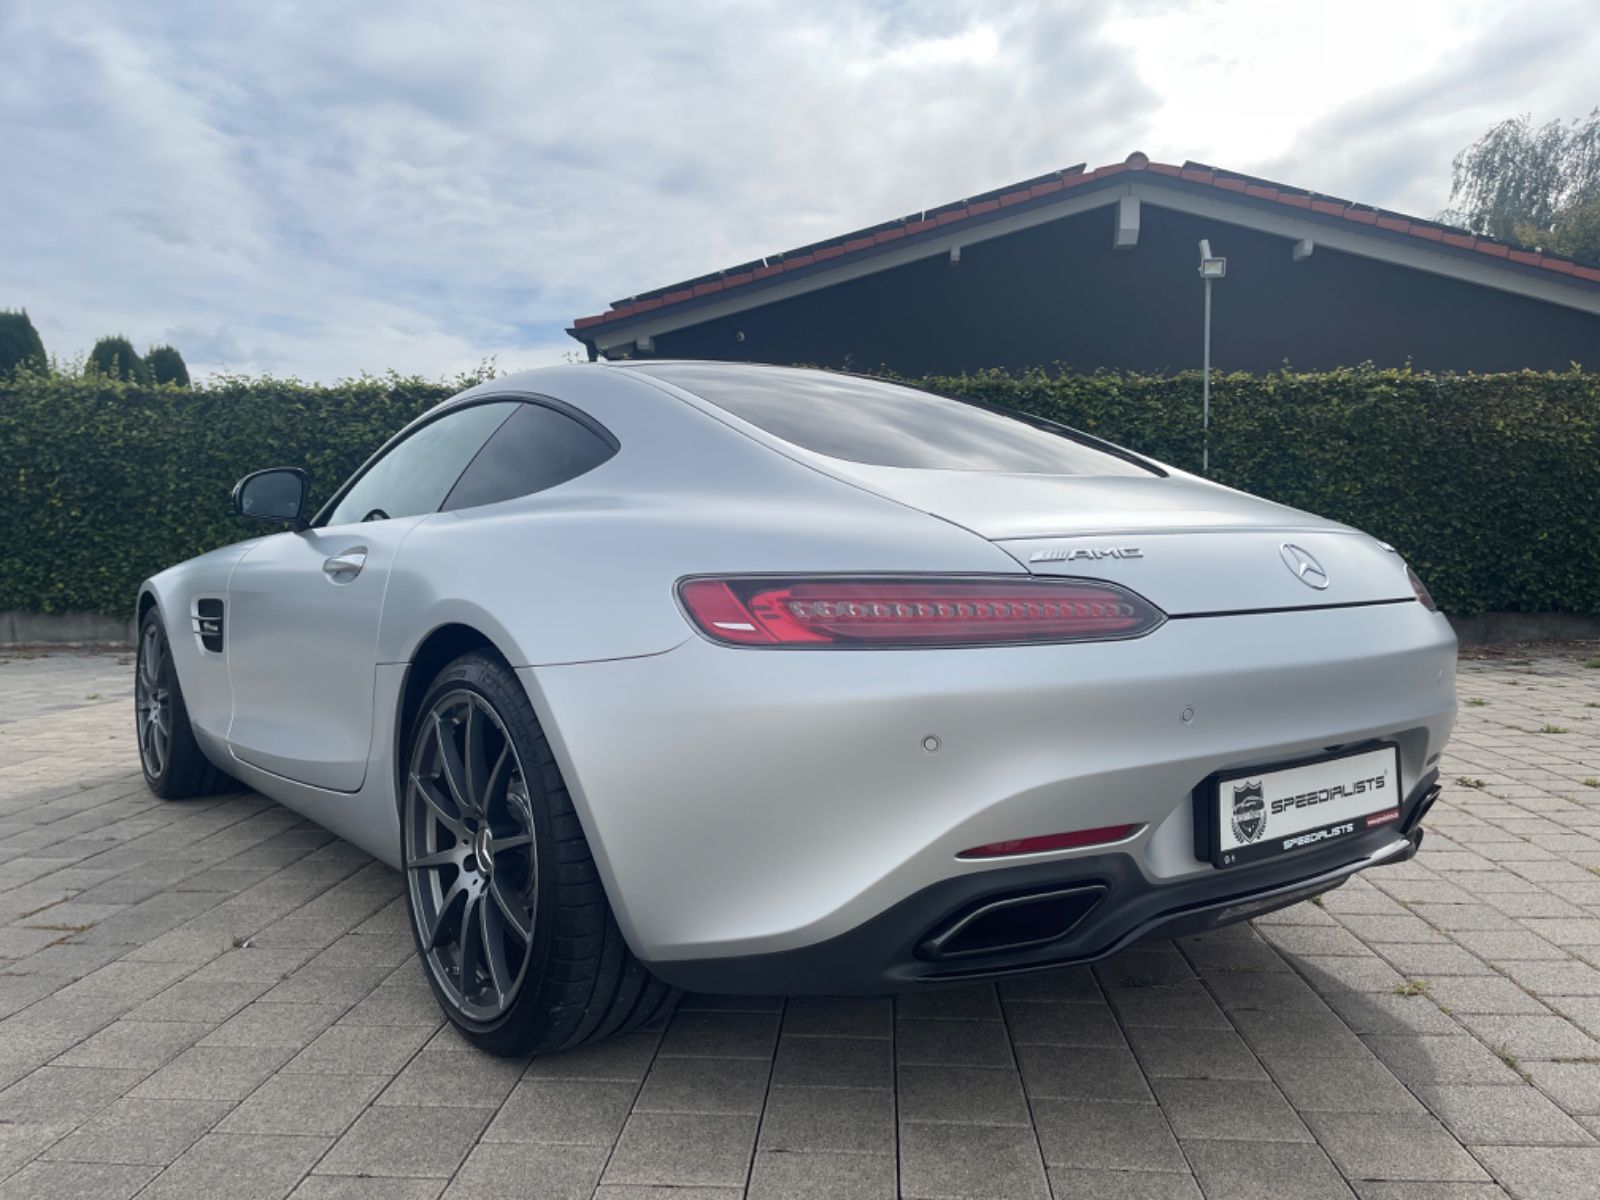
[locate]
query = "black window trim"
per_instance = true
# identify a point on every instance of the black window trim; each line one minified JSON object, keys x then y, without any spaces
{"x":539,"y":398}
{"x":534,"y":400}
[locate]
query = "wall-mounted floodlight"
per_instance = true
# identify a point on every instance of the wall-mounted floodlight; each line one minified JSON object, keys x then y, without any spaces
{"x":1211,"y":267}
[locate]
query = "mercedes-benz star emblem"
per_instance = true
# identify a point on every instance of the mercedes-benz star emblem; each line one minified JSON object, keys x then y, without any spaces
{"x":1306,"y":568}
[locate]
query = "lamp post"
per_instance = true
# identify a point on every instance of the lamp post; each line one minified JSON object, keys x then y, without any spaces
{"x":1210,"y":268}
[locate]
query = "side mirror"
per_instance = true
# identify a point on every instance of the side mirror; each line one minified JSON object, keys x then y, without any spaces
{"x":276,"y":494}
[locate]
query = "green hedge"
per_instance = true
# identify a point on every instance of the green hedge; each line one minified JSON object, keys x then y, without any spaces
{"x":109,"y":482}
{"x":1490,"y":485}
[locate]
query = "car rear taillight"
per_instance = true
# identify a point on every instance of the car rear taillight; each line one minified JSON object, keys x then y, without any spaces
{"x":905,"y":611}
{"x":1421,"y":589}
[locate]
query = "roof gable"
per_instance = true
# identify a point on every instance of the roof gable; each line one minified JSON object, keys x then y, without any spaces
{"x":1254,"y":202}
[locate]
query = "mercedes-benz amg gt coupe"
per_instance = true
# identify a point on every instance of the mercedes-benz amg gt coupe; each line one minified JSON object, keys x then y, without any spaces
{"x":684,"y":675}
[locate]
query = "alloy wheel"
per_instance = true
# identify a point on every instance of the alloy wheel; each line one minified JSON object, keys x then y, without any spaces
{"x":470,"y":856}
{"x":152,"y":702}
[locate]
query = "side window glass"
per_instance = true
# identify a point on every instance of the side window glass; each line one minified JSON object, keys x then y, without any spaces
{"x":416,"y":476}
{"x":537,"y":448}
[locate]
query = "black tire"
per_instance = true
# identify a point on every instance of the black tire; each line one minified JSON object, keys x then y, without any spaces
{"x":513,"y":852}
{"x":175,"y":768}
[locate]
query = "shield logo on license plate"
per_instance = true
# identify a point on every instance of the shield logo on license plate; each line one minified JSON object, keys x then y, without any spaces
{"x":1249,"y":811}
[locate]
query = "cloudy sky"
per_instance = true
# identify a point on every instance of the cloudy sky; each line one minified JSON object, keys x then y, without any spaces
{"x":323,"y":189}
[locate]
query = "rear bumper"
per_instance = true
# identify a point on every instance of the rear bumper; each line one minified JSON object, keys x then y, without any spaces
{"x":744,"y":804}
{"x":901,"y":948}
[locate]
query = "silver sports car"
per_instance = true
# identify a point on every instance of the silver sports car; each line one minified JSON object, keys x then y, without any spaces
{"x":666,"y":675}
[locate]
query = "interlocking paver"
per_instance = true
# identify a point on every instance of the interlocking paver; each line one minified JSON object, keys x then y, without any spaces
{"x":1392,"y":1146}
{"x":1073,"y":1183}
{"x":1265,"y":1171}
{"x":968,"y":1043}
{"x":366,"y":1187}
{"x":288,"y":1104}
{"x":1078,"y":1073}
{"x":705,"y":1085}
{"x":845,"y":1062}
{"x":220,"y":998}
{"x":213,"y":1073}
{"x":242,"y":1166}
{"x":830,"y":1120}
{"x":153,"y":1132}
{"x":1354,"y":1085}
{"x":683,"y":1150}
{"x":513,"y":1169}
{"x":962,"y":1095}
{"x":1503,"y":1116}
{"x":570,"y":1112}
{"x":1179,"y":1054}
{"x":1229,"y":1109}
{"x":407,"y":1141}
{"x":87,"y":1181}
{"x":1106,"y":1136}
{"x":1543,"y":1172}
{"x":823,"y":1176}
{"x":985,"y":1162}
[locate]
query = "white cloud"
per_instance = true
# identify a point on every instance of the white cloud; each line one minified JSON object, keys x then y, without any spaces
{"x":324,"y":189}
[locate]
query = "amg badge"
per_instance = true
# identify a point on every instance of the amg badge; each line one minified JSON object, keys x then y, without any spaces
{"x":1249,"y":811}
{"x":1090,"y":553}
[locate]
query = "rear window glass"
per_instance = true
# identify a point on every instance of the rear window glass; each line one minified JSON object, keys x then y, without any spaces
{"x":886,"y":425}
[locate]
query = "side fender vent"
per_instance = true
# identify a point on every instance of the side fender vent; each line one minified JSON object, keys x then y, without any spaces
{"x":208,"y":623}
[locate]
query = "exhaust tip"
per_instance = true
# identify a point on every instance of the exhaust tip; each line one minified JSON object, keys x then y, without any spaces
{"x":1012,"y":923}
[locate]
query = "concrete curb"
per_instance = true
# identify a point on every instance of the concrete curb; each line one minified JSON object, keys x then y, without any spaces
{"x":1500,"y":628}
{"x":64,"y":629}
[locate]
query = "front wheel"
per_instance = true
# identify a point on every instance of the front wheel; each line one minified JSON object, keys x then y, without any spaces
{"x":509,"y":915}
{"x":175,"y":768}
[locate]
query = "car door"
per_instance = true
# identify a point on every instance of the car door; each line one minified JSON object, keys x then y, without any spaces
{"x":304,"y":607}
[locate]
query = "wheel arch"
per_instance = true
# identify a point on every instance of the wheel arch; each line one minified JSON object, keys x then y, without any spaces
{"x":438,"y":649}
{"x":147,"y":601}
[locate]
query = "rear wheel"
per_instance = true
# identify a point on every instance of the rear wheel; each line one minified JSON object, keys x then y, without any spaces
{"x":174,"y":766}
{"x":510,"y":918}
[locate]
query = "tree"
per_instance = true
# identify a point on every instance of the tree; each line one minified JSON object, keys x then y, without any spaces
{"x":19,"y":343}
{"x":114,"y":356}
{"x":166,"y":365}
{"x":1531,"y":185}
{"x":1575,"y":232}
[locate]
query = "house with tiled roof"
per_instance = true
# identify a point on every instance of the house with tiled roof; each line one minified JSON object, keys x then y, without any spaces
{"x":1098,"y":269}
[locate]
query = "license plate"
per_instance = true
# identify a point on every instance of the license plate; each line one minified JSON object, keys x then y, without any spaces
{"x":1298,"y":806}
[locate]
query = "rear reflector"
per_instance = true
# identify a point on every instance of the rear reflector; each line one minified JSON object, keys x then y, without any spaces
{"x":910,"y":611}
{"x":1051,"y":841}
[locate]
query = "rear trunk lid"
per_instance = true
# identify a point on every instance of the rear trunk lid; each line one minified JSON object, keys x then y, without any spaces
{"x":1190,"y":546}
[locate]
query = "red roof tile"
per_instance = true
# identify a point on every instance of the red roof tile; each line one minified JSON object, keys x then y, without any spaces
{"x":866,"y":240}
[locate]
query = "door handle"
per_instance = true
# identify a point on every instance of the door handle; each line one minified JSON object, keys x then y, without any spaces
{"x":342,"y":568}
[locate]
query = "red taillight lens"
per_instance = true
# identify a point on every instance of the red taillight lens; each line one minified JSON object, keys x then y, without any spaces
{"x":913,"y":612}
{"x":1051,"y":841}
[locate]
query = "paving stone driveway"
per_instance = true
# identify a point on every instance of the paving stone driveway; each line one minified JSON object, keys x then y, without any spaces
{"x":218,"y":999}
